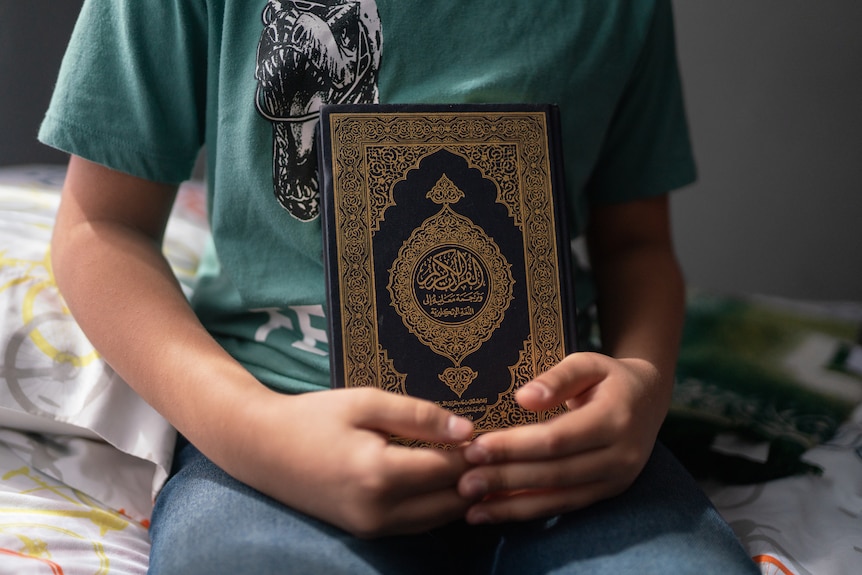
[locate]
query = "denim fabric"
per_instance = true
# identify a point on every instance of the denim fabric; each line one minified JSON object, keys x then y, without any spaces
{"x":207,"y":522}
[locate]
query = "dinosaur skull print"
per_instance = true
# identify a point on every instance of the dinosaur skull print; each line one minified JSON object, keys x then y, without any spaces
{"x":309,"y":54}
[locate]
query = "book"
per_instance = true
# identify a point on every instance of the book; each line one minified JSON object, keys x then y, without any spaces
{"x":446,"y":252}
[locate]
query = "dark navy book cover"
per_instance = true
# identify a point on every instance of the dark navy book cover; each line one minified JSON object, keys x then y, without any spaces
{"x":446,"y":252}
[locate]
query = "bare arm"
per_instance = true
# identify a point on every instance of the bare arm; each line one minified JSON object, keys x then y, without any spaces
{"x":640,"y":285}
{"x":617,"y":401}
{"x":324,"y":453}
{"x":106,"y":256}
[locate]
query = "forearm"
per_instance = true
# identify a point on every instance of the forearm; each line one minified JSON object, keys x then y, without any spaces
{"x":125,"y":297}
{"x":641,"y":292}
{"x":641,"y":307}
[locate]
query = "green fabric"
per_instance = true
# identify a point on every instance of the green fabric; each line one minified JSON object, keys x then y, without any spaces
{"x":105,"y":108}
{"x":146,"y":83}
{"x":765,"y":372}
{"x":610,"y":65}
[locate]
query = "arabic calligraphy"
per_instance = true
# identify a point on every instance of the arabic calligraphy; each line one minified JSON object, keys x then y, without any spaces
{"x":449,"y":299}
{"x":449,"y":282}
{"x":450,"y":270}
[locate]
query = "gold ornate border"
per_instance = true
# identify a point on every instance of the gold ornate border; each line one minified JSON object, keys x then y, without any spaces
{"x":373,"y":152}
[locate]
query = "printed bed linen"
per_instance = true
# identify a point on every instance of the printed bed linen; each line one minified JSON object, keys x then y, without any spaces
{"x":81,"y":456}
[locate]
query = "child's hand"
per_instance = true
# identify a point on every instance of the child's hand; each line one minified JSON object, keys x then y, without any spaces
{"x":594,"y":451}
{"x":328,"y":454}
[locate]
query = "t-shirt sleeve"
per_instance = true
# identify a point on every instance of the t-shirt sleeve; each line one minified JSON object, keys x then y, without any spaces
{"x":131,"y":90}
{"x":647,"y":149}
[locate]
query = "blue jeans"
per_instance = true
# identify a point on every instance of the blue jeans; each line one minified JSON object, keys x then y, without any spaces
{"x":207,"y":522}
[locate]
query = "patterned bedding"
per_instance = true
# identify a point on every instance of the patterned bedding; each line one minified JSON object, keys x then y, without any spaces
{"x":81,"y":456}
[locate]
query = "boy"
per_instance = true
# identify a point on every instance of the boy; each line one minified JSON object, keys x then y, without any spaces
{"x":280,"y":474}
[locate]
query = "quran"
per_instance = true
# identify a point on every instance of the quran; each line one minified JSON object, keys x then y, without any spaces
{"x":446,"y":252}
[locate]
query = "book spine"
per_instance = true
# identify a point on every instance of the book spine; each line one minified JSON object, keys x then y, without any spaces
{"x":330,"y":251}
{"x":564,"y":243}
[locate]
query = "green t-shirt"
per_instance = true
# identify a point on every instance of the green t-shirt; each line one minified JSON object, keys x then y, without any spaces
{"x":146,"y":83}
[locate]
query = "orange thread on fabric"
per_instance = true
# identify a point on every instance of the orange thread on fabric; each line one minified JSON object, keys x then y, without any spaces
{"x":56,"y":569}
{"x":773,"y":562}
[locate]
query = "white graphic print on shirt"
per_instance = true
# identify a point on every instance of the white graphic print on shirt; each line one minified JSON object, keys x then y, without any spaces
{"x":311,"y":53}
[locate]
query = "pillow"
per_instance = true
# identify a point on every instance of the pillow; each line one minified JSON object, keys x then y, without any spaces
{"x":53,"y":381}
{"x":759,"y":382}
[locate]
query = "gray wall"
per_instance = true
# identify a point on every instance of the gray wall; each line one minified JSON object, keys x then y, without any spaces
{"x":774,"y":91}
{"x":33,"y":36}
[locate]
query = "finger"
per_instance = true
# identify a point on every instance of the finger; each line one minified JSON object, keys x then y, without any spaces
{"x":418,"y":514}
{"x":413,"y":471}
{"x":422,"y":513}
{"x":555,"y":474}
{"x":572,"y":376}
{"x":567,"y":434}
{"x":409,"y":417}
{"x":528,"y":505}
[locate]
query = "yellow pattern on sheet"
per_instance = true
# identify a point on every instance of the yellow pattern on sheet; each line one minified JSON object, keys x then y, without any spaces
{"x":49,"y":518}
{"x":40,"y":275}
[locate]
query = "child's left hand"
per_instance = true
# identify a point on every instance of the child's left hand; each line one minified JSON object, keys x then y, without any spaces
{"x":594,"y":451}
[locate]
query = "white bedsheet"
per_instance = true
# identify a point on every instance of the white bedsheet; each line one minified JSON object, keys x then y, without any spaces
{"x":805,"y":524}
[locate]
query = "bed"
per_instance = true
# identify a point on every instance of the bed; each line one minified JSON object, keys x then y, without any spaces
{"x":766,"y":414}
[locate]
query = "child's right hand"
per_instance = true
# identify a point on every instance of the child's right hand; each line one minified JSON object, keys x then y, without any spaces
{"x":328,"y":454}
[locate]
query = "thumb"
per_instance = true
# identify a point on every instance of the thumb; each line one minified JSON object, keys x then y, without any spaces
{"x":575,"y":374}
{"x":412,"y":418}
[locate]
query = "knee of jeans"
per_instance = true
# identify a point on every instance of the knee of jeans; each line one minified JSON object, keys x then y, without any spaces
{"x":261,"y":554}
{"x":196,"y":528}
{"x":212,"y":548}
{"x":197,"y":533}
{"x":188,"y":547}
